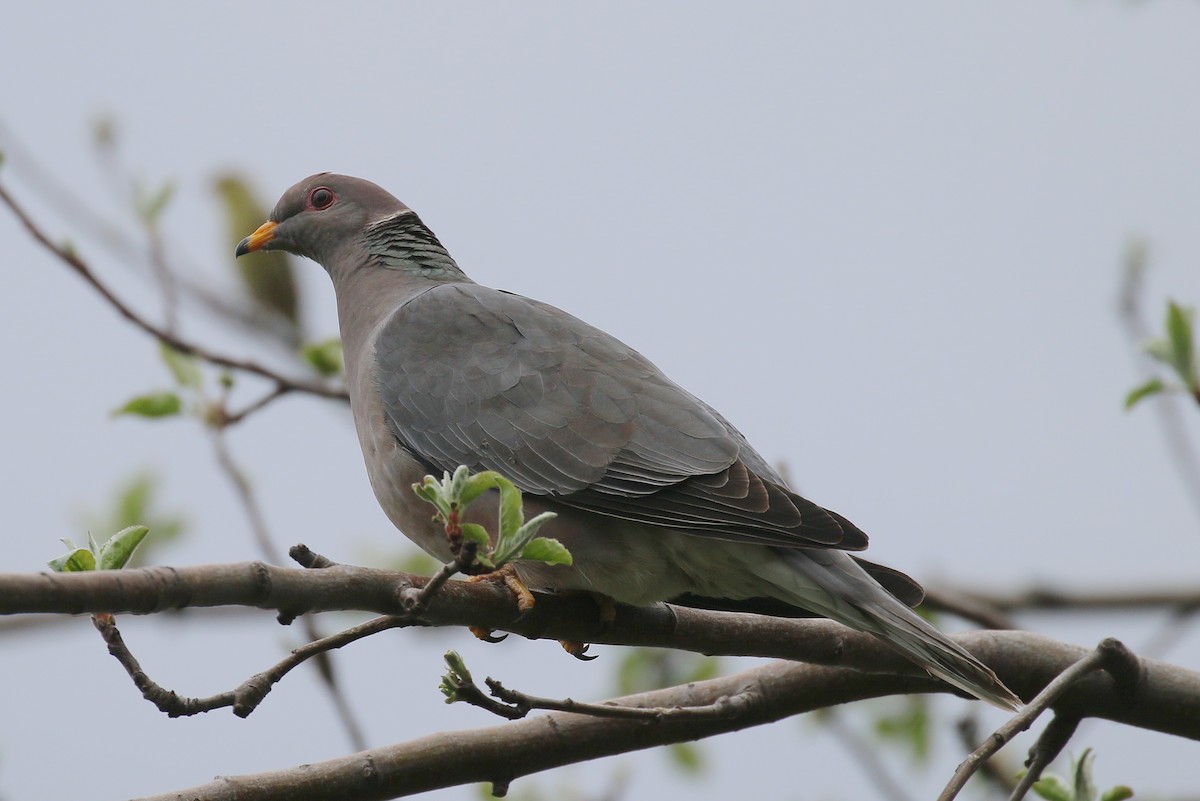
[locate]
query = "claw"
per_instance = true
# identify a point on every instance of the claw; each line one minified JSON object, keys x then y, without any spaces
{"x":578,"y":650}
{"x":486,"y":634}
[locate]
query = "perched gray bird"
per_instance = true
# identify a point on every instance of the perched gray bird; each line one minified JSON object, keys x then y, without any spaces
{"x":658,"y":496}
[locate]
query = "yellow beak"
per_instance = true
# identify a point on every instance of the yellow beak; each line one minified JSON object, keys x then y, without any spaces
{"x":256,"y":240}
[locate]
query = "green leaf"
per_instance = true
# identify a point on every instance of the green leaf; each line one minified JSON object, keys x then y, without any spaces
{"x":184,"y":368}
{"x":454,"y":485}
{"x":511,"y":515}
{"x":80,"y":560}
{"x":1118,"y":793}
{"x":1151,"y":387}
{"x":473,"y":532}
{"x":325,"y":357}
{"x":513,"y":546}
{"x":431,"y":490}
{"x":543,"y":549}
{"x":1179,"y":333}
{"x":478,"y":484}
{"x":455,"y":678}
{"x":525,"y":532}
{"x":1052,"y":788}
{"x":154,"y":404}
{"x":116,"y":553}
{"x":1085,"y":788}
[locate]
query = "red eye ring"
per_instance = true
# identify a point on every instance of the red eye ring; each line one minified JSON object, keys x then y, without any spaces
{"x":321,"y":198}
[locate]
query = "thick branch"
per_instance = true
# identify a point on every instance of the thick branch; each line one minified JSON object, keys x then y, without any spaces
{"x":1168,"y":699}
{"x":502,"y":753}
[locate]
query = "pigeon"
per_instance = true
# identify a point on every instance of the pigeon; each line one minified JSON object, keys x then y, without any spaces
{"x":657,"y":496}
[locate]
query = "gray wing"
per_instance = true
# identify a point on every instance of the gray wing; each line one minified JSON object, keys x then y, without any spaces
{"x":476,"y":376}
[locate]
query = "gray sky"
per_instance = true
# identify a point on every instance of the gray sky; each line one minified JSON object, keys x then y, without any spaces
{"x":883,"y":239}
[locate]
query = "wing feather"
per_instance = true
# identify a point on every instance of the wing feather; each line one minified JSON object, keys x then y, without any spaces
{"x":476,"y":376}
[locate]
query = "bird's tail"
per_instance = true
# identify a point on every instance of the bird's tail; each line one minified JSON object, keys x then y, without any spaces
{"x":833,"y":584}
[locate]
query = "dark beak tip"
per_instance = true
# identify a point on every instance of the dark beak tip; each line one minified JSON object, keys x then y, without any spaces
{"x":243,"y":248}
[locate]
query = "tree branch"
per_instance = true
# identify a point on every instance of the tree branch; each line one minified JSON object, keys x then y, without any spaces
{"x":513,"y":704}
{"x":1050,"y":743}
{"x":173,"y":704}
{"x":502,"y":753}
{"x":251,"y":692}
{"x":1108,"y":655}
{"x":1168,"y":699}
{"x":1034,"y":599}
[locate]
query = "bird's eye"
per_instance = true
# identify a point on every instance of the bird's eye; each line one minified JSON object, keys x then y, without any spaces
{"x":321,"y":198}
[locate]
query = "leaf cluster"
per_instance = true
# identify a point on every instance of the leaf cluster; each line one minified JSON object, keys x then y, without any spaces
{"x":1176,"y":349}
{"x":114,"y":554}
{"x":516,"y":537}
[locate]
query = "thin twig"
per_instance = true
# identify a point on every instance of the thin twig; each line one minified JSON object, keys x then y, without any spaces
{"x":1049,"y":745}
{"x":72,"y":260}
{"x":167,"y":701}
{"x":281,"y":389}
{"x":968,"y":607}
{"x":415,"y":600}
{"x":252,"y":691}
{"x":990,"y":770}
{"x":515,"y":704}
{"x":1108,"y":655}
{"x":282,"y":385}
{"x":121,"y":245}
{"x":308,"y":558}
{"x":1051,"y":599}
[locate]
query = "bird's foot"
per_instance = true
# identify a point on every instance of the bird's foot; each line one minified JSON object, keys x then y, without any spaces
{"x":508,"y":575}
{"x":608,"y":613}
{"x":578,"y":650}
{"x":486,"y":635}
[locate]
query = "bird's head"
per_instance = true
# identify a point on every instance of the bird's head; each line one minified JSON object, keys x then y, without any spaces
{"x":322,"y":215}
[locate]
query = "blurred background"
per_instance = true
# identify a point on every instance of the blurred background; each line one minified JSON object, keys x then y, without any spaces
{"x":886,"y":240}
